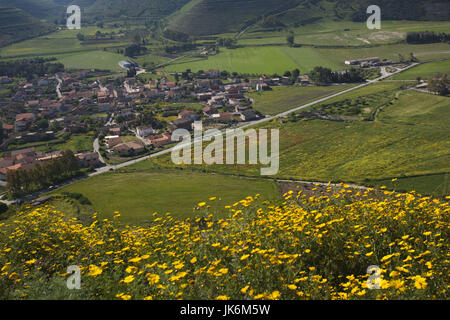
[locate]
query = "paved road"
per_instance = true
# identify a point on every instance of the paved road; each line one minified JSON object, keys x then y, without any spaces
{"x":266,"y":119}
{"x":97,"y":149}
{"x":58,"y":87}
{"x":208,"y":137}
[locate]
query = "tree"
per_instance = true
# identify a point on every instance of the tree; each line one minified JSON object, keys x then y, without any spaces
{"x":42,"y":124}
{"x":412,"y":58}
{"x":439,"y":84}
{"x":80,"y":36}
{"x":137,"y":39}
{"x":3,"y":207}
{"x":290,"y":39}
{"x":295,"y":74}
{"x":321,"y":75}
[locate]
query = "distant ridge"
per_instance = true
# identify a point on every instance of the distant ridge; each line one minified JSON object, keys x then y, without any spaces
{"x":208,"y":17}
{"x":16,"y":25}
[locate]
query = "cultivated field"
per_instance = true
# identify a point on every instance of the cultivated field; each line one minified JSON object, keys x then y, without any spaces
{"x":425,"y":71}
{"x":410,"y":137}
{"x":281,"y":99}
{"x":343,"y":33}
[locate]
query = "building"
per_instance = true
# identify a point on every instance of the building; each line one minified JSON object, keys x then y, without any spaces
{"x":5,"y":80}
{"x":88,"y":159}
{"x":116,"y":131}
{"x":129,"y":149}
{"x":159,"y":140}
{"x":262,"y":87}
{"x":184,"y":123}
{"x":27,"y":117}
{"x":24,"y":166}
{"x":361,"y":62}
{"x":208,"y":111}
{"x":304,"y":80}
{"x":188,"y":114}
{"x":144,"y":131}
{"x":248,"y":115}
{"x":112,"y":141}
{"x":212,"y":74}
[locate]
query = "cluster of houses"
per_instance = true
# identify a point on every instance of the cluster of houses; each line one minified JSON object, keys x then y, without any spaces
{"x":66,"y":99}
{"x":29,"y":158}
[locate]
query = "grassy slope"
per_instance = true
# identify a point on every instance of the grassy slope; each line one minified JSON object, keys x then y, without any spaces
{"x":410,"y":138}
{"x":281,"y":99}
{"x":217,"y":16}
{"x":206,"y":17}
{"x":37,"y":8}
{"x":135,"y":8}
{"x":137,"y":193}
{"x":16,"y":25}
{"x":343,"y":33}
{"x":425,"y":71}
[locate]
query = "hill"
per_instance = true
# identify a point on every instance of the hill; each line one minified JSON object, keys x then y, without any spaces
{"x":206,"y":17}
{"x":16,"y":25}
{"x":99,"y":9}
{"x":37,"y":8}
{"x":135,"y":8}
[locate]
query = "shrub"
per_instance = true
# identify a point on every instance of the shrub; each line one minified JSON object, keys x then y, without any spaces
{"x":3,"y":207}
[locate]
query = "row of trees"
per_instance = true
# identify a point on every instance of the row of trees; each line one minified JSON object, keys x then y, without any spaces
{"x":22,"y":182}
{"x":427,"y":37}
{"x":226,"y":42}
{"x":439,"y":84}
{"x":135,"y":50}
{"x":325,"y":75}
{"x":28,"y":68}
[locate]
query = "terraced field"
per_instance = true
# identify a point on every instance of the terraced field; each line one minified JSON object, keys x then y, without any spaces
{"x":16,"y":25}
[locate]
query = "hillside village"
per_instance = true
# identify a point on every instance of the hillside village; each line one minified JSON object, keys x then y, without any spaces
{"x":119,"y":112}
{"x":125,"y":117}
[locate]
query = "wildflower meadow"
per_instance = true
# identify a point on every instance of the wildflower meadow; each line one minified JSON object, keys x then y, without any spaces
{"x":305,"y":247}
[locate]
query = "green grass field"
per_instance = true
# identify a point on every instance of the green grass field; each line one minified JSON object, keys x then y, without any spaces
{"x":281,"y":99}
{"x":79,"y":142}
{"x":137,"y":193}
{"x":421,"y":51}
{"x":76,"y":143}
{"x":425,"y":71}
{"x":343,"y":33}
{"x":256,"y":60}
{"x":277,"y":59}
{"x":93,"y":60}
{"x":72,"y":52}
{"x":436,"y":184}
{"x":410,"y":137}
